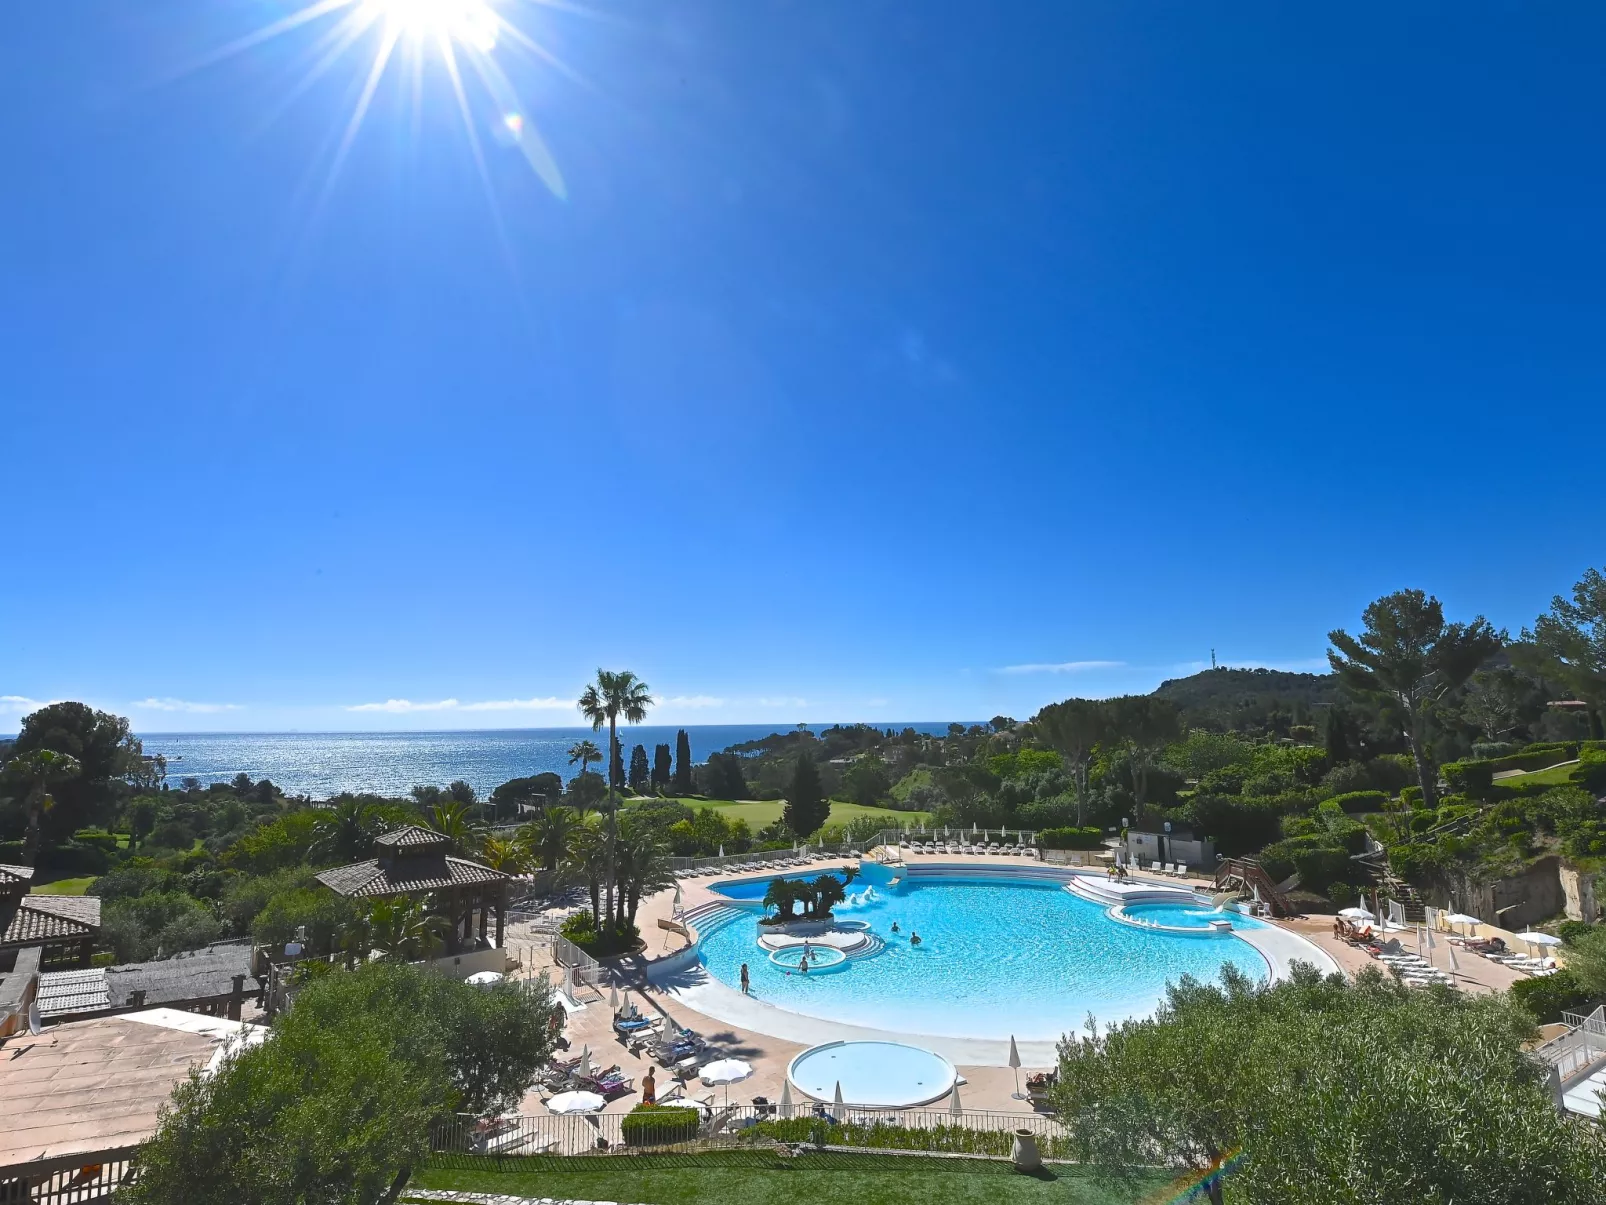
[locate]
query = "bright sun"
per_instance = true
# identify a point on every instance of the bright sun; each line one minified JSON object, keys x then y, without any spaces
{"x":472,"y":22}
{"x":466,"y":37}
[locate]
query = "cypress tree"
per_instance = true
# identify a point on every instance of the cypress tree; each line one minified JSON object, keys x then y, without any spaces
{"x":660,"y":767}
{"x":616,"y":767}
{"x":683,"y":777}
{"x":806,"y":809}
{"x":639,"y":772}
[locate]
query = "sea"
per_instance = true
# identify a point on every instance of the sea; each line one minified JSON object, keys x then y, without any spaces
{"x":321,"y":764}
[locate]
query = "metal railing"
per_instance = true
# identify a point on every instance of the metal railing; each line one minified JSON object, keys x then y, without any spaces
{"x":707,"y":1122}
{"x":584,"y":968}
{"x":70,"y":1180}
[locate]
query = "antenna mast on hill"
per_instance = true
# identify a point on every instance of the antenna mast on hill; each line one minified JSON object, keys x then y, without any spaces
{"x":1212,"y":658}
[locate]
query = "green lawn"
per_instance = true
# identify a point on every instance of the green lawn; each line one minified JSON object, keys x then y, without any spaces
{"x":63,"y":886}
{"x":760,"y":812}
{"x":1555,"y":776}
{"x":768,"y":1178}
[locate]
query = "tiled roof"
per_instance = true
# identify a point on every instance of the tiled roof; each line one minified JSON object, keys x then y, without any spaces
{"x":36,"y":919}
{"x":73,"y":992}
{"x":11,"y":876}
{"x":193,"y":975}
{"x":413,"y":838}
{"x":403,"y":876}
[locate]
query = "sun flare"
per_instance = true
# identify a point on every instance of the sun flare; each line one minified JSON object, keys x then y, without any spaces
{"x":465,"y":38}
{"x":472,"y":23}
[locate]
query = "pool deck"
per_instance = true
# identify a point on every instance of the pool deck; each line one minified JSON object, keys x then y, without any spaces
{"x":769,"y":1037}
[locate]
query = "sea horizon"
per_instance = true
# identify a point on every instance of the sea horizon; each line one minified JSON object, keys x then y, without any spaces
{"x":321,"y":764}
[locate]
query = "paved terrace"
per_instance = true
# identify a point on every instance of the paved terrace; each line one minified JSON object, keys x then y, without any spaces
{"x":741,"y":1027}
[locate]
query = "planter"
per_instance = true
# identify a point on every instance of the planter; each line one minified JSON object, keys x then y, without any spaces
{"x":1024,"y":1152}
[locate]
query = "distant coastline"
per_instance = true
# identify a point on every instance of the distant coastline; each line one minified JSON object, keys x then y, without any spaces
{"x":321,"y":764}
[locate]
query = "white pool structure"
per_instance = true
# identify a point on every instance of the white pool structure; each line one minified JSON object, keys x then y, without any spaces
{"x":878,"y":1075}
{"x":1020,"y":951}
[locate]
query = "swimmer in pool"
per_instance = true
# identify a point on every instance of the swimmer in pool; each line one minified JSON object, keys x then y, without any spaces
{"x":914,"y":938}
{"x":895,"y":926}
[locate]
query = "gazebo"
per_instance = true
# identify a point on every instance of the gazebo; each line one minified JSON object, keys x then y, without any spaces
{"x":63,"y":927}
{"x":414,"y":861}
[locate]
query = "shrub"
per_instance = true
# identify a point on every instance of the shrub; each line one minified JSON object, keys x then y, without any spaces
{"x":1411,"y":797}
{"x":325,"y":916}
{"x":1551,"y":995}
{"x":1319,"y":869}
{"x":1341,"y":894}
{"x":73,"y":860}
{"x":159,"y":924}
{"x":96,"y":838}
{"x":1484,"y":749}
{"x":135,"y":878}
{"x":1571,"y":930}
{"x":1468,"y":777}
{"x":581,"y":929}
{"x":1360,"y":801}
{"x":1071,"y":838}
{"x":656,"y":1125}
{"x":1385,"y":773}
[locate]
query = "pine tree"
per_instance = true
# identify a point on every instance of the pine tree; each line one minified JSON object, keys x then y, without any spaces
{"x":683,"y":784}
{"x":806,"y":809}
{"x":639,"y":772}
{"x":660,"y":767}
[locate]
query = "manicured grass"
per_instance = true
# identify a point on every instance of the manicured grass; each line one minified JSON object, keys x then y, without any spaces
{"x":63,"y":886}
{"x":761,"y":812}
{"x":1555,"y":776}
{"x":768,"y":1178}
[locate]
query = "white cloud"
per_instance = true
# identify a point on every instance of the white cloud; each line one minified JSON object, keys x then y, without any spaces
{"x":694,"y":701}
{"x":402,"y":706}
{"x":186,"y":705}
{"x":18,"y":703}
{"x":1061,"y":667}
{"x":549,"y":704}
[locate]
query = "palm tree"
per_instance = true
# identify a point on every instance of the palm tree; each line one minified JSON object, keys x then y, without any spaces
{"x":504,"y":855}
{"x":584,"y":752}
{"x":546,"y":838}
{"x":781,"y":895}
{"x":37,"y":772}
{"x":452,"y":820}
{"x":588,"y":857}
{"x":402,"y":929}
{"x":643,"y":868}
{"x":345,"y":832}
{"x":612,"y":695}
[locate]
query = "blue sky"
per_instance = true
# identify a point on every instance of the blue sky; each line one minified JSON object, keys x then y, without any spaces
{"x":872,"y":360}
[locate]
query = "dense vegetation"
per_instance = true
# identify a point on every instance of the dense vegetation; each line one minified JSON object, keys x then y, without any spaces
{"x":338,"y":1104}
{"x":1320,"y":1090}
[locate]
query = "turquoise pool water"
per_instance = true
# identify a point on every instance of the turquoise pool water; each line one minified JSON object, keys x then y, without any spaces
{"x":887,"y":1074}
{"x":1181,"y":916}
{"x":998,"y":958}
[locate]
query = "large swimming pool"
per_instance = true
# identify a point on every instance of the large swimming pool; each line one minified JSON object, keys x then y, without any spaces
{"x":997,"y":958}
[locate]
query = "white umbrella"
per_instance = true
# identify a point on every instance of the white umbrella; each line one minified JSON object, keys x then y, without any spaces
{"x":785,"y":1107}
{"x":613,"y":999}
{"x":837,"y":1111}
{"x":1453,"y":967}
{"x":1534,"y":938}
{"x":722,"y":850}
{"x":727,"y":1072}
{"x":1356,"y":913}
{"x":575,"y":1102}
{"x":954,"y":1106}
{"x":1014,"y":1062}
{"x":584,"y":1067}
{"x":483,"y":979}
{"x":629,"y":1009}
{"x":676,"y":907}
{"x":1461,"y":918}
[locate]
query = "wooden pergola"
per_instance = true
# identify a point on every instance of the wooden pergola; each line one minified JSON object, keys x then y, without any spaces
{"x":413,"y":861}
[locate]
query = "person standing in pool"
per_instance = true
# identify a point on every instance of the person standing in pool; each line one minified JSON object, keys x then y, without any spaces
{"x":895,"y":926}
{"x":747,"y":986}
{"x":914,"y":938}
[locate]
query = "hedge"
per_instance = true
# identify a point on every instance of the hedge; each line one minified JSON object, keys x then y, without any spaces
{"x":1071,"y":838}
{"x":1551,"y":995}
{"x":885,"y":1135}
{"x":1361,"y":801}
{"x":1411,"y":797}
{"x":1469,"y":777}
{"x":656,"y":1125}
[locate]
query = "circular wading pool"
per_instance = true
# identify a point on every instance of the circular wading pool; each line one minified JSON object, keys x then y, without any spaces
{"x":882,"y":1075}
{"x":821,"y":960}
